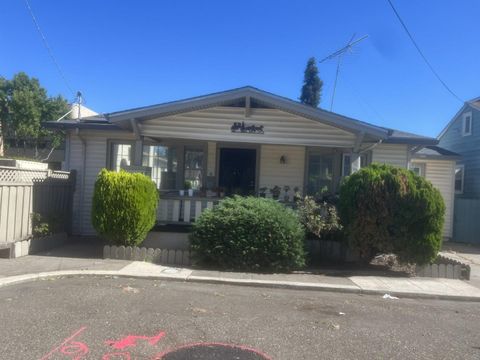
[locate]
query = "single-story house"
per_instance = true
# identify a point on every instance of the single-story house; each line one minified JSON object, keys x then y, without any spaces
{"x":238,"y":141}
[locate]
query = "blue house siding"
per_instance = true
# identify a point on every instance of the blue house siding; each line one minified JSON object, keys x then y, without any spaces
{"x":468,"y":147}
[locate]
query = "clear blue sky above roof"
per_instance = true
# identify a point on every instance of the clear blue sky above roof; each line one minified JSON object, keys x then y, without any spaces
{"x":129,"y":54}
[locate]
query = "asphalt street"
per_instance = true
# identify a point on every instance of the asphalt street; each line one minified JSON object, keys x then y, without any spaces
{"x":118,"y":318}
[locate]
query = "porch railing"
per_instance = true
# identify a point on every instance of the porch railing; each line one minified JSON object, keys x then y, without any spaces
{"x":182,"y":209}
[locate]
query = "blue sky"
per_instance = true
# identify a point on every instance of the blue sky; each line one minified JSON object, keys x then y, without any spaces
{"x":124,"y":54}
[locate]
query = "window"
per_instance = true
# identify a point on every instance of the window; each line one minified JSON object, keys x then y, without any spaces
{"x":120,"y":155}
{"x":320,"y":173}
{"x":193,"y":169}
{"x":467,"y":124}
{"x":347,"y":163}
{"x":163,"y":162}
{"x":418,"y":168}
{"x":459,"y":177}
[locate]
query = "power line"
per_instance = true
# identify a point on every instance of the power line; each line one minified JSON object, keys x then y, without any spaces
{"x":422,"y":54}
{"x":50,"y":52}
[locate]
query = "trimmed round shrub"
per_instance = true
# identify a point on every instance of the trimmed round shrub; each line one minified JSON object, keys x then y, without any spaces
{"x":249,"y":233}
{"x":385,"y":209}
{"x":124,"y":207}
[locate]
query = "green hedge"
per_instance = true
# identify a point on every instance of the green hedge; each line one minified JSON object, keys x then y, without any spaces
{"x":124,"y":207}
{"x":390,"y":210}
{"x":249,"y":233}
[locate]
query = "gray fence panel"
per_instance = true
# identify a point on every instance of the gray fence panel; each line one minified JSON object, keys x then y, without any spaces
{"x":466,"y":223}
{"x":23,"y":192}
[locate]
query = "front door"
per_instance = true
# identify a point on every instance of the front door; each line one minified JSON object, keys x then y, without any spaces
{"x":237,"y":171}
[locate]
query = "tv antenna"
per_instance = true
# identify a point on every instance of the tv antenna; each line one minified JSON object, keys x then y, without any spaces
{"x":339,"y":54}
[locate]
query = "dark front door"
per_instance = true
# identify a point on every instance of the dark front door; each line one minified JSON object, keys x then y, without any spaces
{"x":237,"y":171}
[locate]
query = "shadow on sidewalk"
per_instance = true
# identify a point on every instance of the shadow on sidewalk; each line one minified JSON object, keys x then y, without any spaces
{"x":77,"y":247}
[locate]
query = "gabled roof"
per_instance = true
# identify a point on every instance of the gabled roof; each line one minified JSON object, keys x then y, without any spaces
{"x":260,"y":96}
{"x":474,"y":103}
{"x":123,"y":119}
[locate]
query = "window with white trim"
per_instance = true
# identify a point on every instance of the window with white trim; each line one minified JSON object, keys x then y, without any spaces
{"x":120,"y":155}
{"x":347,"y":163}
{"x":467,"y":124}
{"x":418,"y":168}
{"x":459,"y":178}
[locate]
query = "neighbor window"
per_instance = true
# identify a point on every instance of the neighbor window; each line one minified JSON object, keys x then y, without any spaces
{"x":467,"y":124}
{"x":163,"y":162}
{"x":459,"y":177}
{"x":418,"y":168}
{"x":120,"y":155}
{"x":193,"y":168}
{"x":320,"y":173}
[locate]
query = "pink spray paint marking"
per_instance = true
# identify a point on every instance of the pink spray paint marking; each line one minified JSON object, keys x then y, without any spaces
{"x":117,"y":356}
{"x":131,"y":340}
{"x":77,"y":350}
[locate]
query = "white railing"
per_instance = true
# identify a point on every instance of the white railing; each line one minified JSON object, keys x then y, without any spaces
{"x":182,"y":210}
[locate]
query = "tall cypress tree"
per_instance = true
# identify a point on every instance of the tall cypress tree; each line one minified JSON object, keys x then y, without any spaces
{"x":312,"y":85}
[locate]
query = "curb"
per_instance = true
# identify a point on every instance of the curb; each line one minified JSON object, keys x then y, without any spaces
{"x":352,"y":289}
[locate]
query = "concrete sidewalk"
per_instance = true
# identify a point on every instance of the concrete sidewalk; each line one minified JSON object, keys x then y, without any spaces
{"x":36,"y":267}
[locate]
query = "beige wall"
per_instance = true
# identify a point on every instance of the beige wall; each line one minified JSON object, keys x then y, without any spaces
{"x":214,"y":124}
{"x":393,"y":154}
{"x":441,"y":173}
{"x":272,"y":172}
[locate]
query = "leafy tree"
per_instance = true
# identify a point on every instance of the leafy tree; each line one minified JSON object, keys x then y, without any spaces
{"x":312,"y":85}
{"x":24,"y":105}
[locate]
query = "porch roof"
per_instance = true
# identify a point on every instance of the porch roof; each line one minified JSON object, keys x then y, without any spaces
{"x":126,"y":119}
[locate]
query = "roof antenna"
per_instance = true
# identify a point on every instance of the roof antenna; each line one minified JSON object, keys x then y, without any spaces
{"x":339,"y":56}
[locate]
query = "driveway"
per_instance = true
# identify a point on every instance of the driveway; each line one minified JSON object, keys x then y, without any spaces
{"x":120,"y":318}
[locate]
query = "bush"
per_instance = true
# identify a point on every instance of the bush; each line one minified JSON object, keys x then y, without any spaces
{"x":391,"y":210}
{"x":124,"y":207}
{"x":249,"y":233}
{"x":318,"y":217}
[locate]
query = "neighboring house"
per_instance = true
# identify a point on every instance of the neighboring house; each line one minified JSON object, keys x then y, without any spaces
{"x":462,"y":135}
{"x":240,"y":141}
{"x":25,"y":149}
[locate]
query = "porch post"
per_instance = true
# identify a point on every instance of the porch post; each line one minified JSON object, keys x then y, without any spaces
{"x":355,"y":162}
{"x":137,"y":154}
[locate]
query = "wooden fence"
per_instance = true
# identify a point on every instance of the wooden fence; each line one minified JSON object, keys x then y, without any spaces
{"x":466,"y":220}
{"x":24,"y":192}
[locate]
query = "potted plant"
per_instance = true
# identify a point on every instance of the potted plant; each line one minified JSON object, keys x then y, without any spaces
{"x":188,"y":187}
{"x":286,"y":195}
{"x":296,"y":194}
{"x":181,"y":192}
{"x":262,"y":192}
{"x":221,"y":192}
{"x":275,"y":192}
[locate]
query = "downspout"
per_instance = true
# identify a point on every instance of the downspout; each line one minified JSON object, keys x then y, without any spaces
{"x":84,"y":162}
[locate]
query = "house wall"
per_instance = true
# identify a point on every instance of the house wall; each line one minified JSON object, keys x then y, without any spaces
{"x":214,"y":124}
{"x":441,"y":173}
{"x":468,"y":147}
{"x":272,"y":172}
{"x":393,"y":154}
{"x":87,"y":171}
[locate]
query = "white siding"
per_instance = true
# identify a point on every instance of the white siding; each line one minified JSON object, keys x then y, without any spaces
{"x":96,"y":159}
{"x":441,"y":173}
{"x":214,"y":124}
{"x":273,"y":173}
{"x":392,"y":154}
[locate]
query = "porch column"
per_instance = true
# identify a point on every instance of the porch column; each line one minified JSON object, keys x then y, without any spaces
{"x":137,"y":158}
{"x":355,"y":162}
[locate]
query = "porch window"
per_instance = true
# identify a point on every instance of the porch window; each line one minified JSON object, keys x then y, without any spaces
{"x":193,"y":169}
{"x":120,"y":155}
{"x":163,"y":162}
{"x":320,"y":173}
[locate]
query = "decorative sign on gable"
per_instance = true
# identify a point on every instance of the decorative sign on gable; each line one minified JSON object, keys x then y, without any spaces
{"x":241,"y":127}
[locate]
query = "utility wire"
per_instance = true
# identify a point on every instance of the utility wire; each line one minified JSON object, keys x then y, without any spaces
{"x":422,"y":54}
{"x":49,"y":49}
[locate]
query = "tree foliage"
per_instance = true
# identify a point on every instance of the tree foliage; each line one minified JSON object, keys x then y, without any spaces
{"x":385,"y":209}
{"x":24,"y":105}
{"x":312,"y":85}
